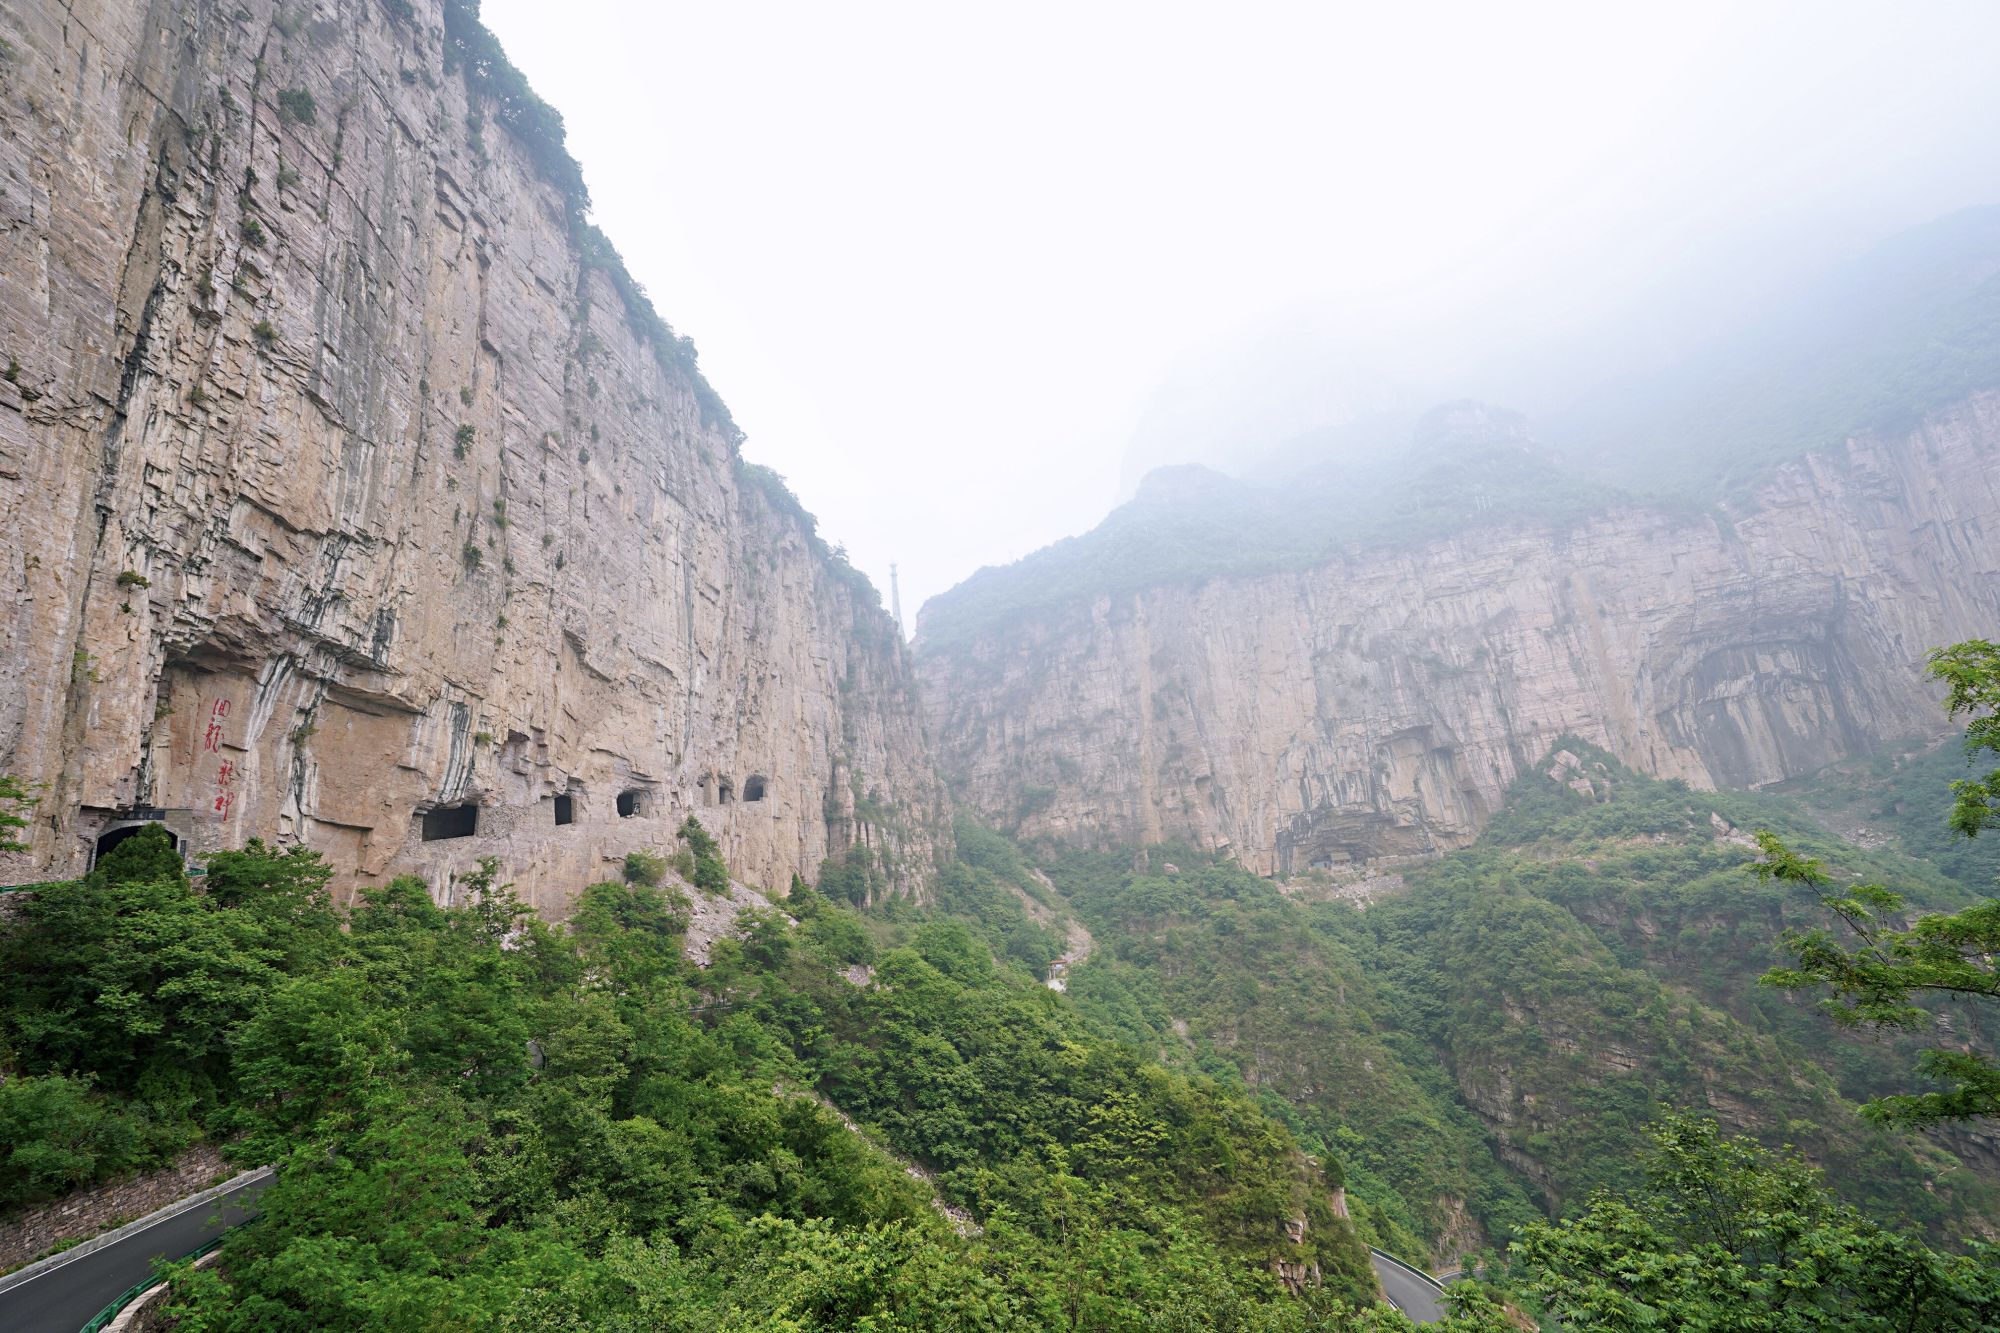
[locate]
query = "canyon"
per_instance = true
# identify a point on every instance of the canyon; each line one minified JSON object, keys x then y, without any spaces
{"x":354,"y":497}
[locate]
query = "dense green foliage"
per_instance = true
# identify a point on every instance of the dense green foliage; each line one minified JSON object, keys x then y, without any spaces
{"x":482,"y":1120}
{"x":1530,"y":1002}
{"x":710,"y":875}
{"x":123,"y":991}
{"x":1897,"y":961}
{"x":1723,"y":1235}
{"x":1212,"y":968}
{"x":56,"y":1134}
{"x":1971,"y":671}
{"x":994,"y":891}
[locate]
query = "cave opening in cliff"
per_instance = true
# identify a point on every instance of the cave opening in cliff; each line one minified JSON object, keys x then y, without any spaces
{"x":106,"y":841}
{"x":450,"y":821}
{"x":628,"y":804}
{"x":753,"y":787}
{"x":725,"y":790}
{"x":565,"y":809}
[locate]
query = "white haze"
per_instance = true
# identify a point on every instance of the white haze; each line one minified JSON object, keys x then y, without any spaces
{"x":944,"y":261}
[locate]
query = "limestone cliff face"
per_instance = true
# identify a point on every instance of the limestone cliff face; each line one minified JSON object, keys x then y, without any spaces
{"x":1379,"y":705}
{"x":342,"y":500}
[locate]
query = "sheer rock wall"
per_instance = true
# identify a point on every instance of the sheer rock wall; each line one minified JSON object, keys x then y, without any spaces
{"x":1379,"y":705}
{"x":336,"y":488}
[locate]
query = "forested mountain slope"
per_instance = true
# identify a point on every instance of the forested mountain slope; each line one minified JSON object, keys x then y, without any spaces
{"x":1489,"y":1040}
{"x":481,"y":1120}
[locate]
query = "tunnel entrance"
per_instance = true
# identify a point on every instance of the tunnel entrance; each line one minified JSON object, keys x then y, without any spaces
{"x":112,"y":837}
{"x":565,"y":809}
{"x":725,"y":791}
{"x":450,"y":821}
{"x":628,"y":804}
{"x":753,"y":787}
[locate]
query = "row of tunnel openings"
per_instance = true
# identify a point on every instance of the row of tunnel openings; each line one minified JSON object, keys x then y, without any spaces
{"x":462,"y":821}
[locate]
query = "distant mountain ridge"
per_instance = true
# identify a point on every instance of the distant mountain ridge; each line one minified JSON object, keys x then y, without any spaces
{"x":1377,"y":701}
{"x":1908,"y":329}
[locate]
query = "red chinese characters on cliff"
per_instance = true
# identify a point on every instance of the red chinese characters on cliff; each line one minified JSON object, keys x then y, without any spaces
{"x":225,"y":772}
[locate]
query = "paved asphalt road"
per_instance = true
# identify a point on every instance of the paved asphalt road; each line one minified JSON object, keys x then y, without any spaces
{"x":62,"y":1300}
{"x":1412,"y":1295}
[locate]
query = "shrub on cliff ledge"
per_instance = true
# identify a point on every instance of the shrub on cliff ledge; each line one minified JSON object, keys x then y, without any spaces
{"x":474,"y":51}
{"x":644,"y":867}
{"x":16,"y":803}
{"x":710,"y":874}
{"x":296,"y":104}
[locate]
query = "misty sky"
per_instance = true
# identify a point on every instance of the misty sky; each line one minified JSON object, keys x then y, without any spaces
{"x":943,"y":261}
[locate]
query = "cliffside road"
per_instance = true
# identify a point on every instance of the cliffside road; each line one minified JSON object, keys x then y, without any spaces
{"x":1408,"y":1290}
{"x":63,"y":1297}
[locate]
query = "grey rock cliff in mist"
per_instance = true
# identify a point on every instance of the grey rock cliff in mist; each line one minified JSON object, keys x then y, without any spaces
{"x":1378,"y":705}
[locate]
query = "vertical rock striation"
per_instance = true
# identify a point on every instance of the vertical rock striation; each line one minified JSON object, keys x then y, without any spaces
{"x":346,"y":495}
{"x":1378,"y":705}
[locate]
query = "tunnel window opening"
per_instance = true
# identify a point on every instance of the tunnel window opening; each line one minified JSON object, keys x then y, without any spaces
{"x":565,"y":809}
{"x":753,"y":787}
{"x":725,"y":791}
{"x":450,"y":821}
{"x":107,"y":841}
{"x":628,"y":804}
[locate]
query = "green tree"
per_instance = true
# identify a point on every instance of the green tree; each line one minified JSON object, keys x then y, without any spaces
{"x":1877,"y":980}
{"x":1725,"y":1235}
{"x":16,"y":804}
{"x":285,"y":893}
{"x":130,"y":973}
{"x":308,"y":1057}
{"x":710,"y":874}
{"x":1972,"y":672}
{"x":645,"y":867}
{"x":55,"y":1135}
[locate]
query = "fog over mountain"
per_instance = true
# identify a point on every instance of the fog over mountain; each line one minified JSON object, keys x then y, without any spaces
{"x":1023,"y":254}
{"x":1321,"y":385}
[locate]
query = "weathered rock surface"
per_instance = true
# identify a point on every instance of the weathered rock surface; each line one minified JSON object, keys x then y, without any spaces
{"x":337,"y":488}
{"x":1379,"y":705}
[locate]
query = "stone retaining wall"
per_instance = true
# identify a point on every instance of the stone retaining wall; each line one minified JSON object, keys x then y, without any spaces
{"x":29,"y":1235}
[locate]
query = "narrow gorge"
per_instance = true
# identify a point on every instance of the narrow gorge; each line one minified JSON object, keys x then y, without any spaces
{"x":1481,"y":804}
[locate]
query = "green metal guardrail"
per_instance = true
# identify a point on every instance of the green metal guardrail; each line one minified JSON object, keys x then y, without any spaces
{"x":110,"y":1312}
{"x":1409,"y":1268}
